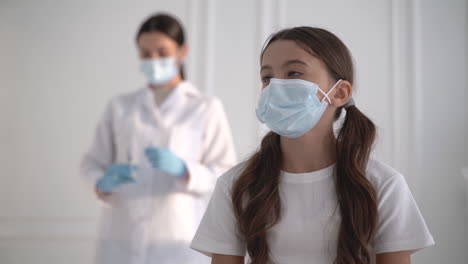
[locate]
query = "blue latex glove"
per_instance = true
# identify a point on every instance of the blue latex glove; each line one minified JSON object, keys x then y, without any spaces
{"x":166,"y":160}
{"x":115,"y":175}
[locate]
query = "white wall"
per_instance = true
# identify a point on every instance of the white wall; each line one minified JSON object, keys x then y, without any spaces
{"x":61,"y":61}
{"x":443,"y":120}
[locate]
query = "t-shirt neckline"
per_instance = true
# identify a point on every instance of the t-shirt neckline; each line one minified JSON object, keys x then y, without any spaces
{"x":307,"y":176}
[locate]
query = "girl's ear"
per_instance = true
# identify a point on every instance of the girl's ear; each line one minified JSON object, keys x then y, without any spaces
{"x":183,"y":52}
{"x":343,"y":92}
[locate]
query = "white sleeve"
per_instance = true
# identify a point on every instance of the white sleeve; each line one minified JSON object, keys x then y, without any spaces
{"x":101,"y":153}
{"x":400,"y":226}
{"x":218,"y":151}
{"x":218,"y":232}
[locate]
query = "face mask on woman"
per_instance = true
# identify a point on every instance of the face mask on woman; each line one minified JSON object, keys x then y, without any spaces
{"x":159,"y":71}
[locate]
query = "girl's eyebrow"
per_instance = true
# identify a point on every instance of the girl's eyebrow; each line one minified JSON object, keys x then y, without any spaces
{"x":296,"y":61}
{"x":266,"y":67}
{"x":289,"y":62}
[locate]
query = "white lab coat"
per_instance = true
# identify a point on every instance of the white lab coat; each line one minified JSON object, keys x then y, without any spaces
{"x":154,"y":220}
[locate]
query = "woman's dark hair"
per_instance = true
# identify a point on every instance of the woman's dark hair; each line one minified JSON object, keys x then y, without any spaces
{"x":168,"y":25}
{"x":255,"y":195}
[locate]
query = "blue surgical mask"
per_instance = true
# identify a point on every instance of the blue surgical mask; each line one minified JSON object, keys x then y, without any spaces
{"x":290,"y":107}
{"x":160,"y":71}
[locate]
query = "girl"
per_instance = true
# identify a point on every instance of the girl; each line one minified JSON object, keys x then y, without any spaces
{"x":156,"y":156}
{"x":307,"y":196}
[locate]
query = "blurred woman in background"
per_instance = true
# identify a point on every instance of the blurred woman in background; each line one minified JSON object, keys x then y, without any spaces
{"x":156,"y":156}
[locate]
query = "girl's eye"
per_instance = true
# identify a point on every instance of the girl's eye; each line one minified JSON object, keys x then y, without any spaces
{"x":163,"y":53}
{"x":266,"y":79}
{"x":294,"y":74}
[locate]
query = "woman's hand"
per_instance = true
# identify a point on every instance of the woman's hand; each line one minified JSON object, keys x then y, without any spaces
{"x":167,"y":161}
{"x":115,"y":176}
{"x":100,"y":194}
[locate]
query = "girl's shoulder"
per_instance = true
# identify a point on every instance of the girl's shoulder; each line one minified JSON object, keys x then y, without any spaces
{"x":228,"y":179}
{"x":383,"y":176}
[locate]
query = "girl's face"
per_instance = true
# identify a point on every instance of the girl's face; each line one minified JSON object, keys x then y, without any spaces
{"x":285,"y":59}
{"x":156,"y":45}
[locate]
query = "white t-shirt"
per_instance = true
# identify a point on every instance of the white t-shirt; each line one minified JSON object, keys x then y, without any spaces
{"x":308,"y":229}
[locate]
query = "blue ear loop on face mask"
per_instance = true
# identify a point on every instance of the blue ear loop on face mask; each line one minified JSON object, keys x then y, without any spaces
{"x":290,"y":107}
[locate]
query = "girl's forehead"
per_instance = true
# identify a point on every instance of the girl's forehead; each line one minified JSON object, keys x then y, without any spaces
{"x":281,"y":51}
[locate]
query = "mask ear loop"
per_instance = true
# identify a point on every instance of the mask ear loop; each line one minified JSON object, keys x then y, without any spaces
{"x":326,"y":94}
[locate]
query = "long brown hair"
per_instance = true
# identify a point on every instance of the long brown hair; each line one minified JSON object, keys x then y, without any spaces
{"x":255,"y":195}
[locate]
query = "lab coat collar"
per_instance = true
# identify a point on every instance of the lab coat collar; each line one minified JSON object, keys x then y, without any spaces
{"x":188,"y":89}
{"x":180,"y":93}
